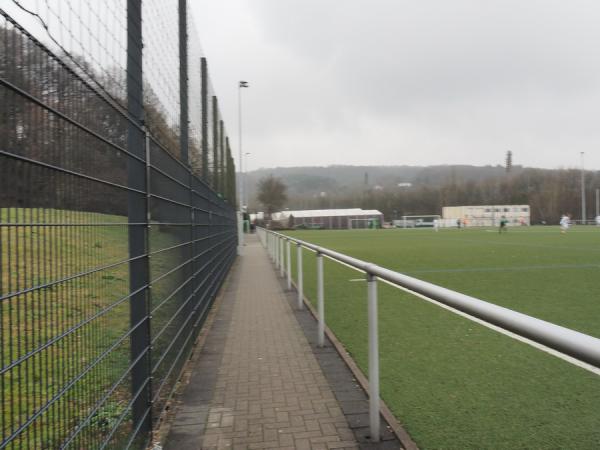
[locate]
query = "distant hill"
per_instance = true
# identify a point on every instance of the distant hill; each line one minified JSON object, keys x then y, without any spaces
{"x":405,"y":190}
{"x":335,"y":181}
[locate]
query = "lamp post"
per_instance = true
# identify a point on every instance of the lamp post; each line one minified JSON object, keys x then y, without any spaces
{"x":583,"y":212}
{"x":245,"y":178}
{"x":242,"y":84}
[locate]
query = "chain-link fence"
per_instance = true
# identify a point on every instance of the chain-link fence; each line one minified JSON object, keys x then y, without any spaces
{"x":117,"y":216}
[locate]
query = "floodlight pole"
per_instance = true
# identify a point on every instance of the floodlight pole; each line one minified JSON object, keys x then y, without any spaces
{"x":241,"y":84}
{"x":597,"y":202}
{"x":245,"y":178}
{"x":583,"y":212}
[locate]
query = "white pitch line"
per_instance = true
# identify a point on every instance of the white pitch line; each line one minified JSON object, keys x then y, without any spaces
{"x":507,"y":268}
{"x":496,"y":328}
{"x":555,"y":231}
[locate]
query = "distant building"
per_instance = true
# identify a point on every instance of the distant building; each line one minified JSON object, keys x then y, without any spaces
{"x":404,"y":185}
{"x":329,"y":218}
{"x":487,"y":215}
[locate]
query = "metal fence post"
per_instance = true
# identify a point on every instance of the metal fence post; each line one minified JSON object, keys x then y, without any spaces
{"x":183,"y":83}
{"x":137,"y":179}
{"x":374,"y":419}
{"x":320,"y":301}
{"x":281,"y":258}
{"x":300,"y":281}
{"x":279,"y":255}
{"x":289,"y":264}
{"x":221,"y":162}
{"x":204,"y":105}
{"x":215,"y":139}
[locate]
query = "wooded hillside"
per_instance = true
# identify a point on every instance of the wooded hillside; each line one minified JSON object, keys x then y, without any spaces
{"x":549,"y":192}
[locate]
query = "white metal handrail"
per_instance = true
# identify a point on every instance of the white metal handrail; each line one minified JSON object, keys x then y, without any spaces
{"x":580,"y":346}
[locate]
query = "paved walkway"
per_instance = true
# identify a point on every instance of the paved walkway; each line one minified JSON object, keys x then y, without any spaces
{"x":257,"y":383}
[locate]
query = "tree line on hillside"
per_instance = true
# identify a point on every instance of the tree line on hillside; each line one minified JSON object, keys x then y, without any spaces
{"x":550,"y":193}
{"x":72,"y":118}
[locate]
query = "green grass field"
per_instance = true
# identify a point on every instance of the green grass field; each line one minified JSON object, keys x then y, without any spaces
{"x":455,"y":384}
{"x":32,"y":256}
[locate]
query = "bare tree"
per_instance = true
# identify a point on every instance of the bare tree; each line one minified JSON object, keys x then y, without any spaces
{"x":271,"y":193}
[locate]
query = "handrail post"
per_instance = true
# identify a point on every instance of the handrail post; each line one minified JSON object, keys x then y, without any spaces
{"x":276,"y":249}
{"x":280,"y":254}
{"x":289,"y":264}
{"x":320,"y":301}
{"x":281,"y":258}
{"x":300,"y":281}
{"x":374,"y":419}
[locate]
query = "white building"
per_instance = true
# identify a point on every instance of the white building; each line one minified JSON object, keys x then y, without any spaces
{"x":328,"y":218}
{"x":486,"y":215}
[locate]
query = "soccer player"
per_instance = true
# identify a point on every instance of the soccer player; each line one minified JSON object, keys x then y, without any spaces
{"x":564,"y":223}
{"x":503,"y":223}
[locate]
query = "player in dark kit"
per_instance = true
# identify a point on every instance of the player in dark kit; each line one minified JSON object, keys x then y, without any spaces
{"x":503,"y":223}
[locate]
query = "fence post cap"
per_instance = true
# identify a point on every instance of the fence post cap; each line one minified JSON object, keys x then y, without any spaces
{"x":369,"y":268}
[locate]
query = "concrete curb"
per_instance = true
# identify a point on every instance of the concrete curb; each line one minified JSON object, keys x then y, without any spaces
{"x":165,"y":421}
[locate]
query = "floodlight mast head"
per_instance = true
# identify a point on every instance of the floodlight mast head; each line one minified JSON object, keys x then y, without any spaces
{"x":244,"y":84}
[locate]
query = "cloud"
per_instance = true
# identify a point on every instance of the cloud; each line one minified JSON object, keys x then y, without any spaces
{"x":402,"y":82}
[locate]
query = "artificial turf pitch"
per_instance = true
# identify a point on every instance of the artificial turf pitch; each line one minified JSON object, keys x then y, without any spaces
{"x":455,"y":384}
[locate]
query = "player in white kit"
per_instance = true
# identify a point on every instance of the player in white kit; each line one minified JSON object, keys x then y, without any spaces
{"x":564,"y":223}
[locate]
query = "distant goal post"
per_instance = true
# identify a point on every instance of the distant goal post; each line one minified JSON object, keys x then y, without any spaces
{"x":417,"y":221}
{"x":364,"y":223}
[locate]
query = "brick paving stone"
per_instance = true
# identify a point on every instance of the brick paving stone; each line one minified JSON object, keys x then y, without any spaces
{"x":269,"y":390}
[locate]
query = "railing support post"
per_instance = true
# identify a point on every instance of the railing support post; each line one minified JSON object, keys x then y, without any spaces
{"x":374,"y":419}
{"x":277,"y":252}
{"x":320,"y":301}
{"x":289,"y":264}
{"x":300,"y":281}
{"x":281,"y":258}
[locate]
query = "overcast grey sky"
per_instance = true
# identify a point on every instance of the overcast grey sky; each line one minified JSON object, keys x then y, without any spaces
{"x":408,"y":82}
